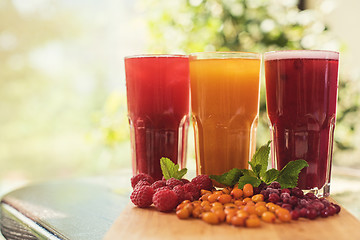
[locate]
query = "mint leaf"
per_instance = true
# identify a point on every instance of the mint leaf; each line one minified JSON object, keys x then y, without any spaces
{"x":289,"y":175}
{"x":229,"y":178}
{"x":247,"y":172}
{"x":270,"y":175}
{"x":259,"y":161}
{"x":170,"y":169}
{"x":254,"y":181}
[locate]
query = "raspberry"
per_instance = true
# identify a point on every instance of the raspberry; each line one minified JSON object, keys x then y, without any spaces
{"x":203,"y":182}
{"x":193,"y":189}
{"x":184,"y":180}
{"x":158,"y":184}
{"x":180,"y":193}
{"x":172,"y":182}
{"x":165,"y":200}
{"x":188,"y":196}
{"x":141,"y":176}
{"x":162,"y":188}
{"x":142,"y":196}
{"x":142,"y":183}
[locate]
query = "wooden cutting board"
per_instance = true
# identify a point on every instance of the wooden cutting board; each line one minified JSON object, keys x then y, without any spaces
{"x":136,"y":223}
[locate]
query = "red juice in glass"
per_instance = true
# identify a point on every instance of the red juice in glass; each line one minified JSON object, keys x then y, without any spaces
{"x":158,"y":110}
{"x":301,"y":94}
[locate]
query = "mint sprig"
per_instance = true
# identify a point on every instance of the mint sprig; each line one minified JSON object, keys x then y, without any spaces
{"x":287,"y":177}
{"x":170,"y":169}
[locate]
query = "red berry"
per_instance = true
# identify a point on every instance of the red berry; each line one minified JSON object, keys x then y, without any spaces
{"x":142,"y":183}
{"x":184,"y":180}
{"x":162,"y":188}
{"x":165,"y":200}
{"x":180,"y":193}
{"x":193,"y":189}
{"x":158,"y":184}
{"x":172,"y":182}
{"x":142,"y":196}
{"x":141,"y":176}
{"x":337,"y":207}
{"x":188,"y":196}
{"x":312,"y":213}
{"x":295,"y":214}
{"x":203,"y":182}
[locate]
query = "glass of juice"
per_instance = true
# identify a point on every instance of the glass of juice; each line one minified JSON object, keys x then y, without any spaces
{"x":301,"y":94}
{"x":225,"y":109}
{"x":158,"y":110}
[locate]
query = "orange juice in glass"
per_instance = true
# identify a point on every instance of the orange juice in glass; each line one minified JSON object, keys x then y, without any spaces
{"x":225,"y":108}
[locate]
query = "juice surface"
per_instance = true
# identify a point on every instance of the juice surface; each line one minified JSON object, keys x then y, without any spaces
{"x":225,"y":103}
{"x":301,"y":104}
{"x":158,"y":110}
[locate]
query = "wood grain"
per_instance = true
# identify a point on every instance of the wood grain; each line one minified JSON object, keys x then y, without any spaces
{"x":136,"y":223}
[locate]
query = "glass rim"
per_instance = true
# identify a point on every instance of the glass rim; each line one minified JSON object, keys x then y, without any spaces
{"x":303,"y":54}
{"x":225,"y":55}
{"x":155,"y":55}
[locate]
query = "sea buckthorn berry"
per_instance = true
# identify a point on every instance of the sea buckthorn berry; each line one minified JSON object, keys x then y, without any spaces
{"x":180,"y":206}
{"x":220,"y":214}
{"x":239,"y":202}
{"x":189,"y":207}
{"x":203,"y":191}
{"x":237,"y":221}
{"x":183,"y":213}
{"x":224,"y":198}
{"x":257,"y":198}
{"x":268,"y":217}
{"x":229,"y":216}
{"x":206,"y":208}
{"x":250,"y":209}
{"x":186,"y":201}
{"x":205,"y":197}
{"x":260,"y":210}
{"x":250,"y":203}
{"x":283,"y":214}
{"x":260,"y":204}
{"x":242,"y":213}
{"x":246,"y":200}
{"x":217,"y":204}
{"x":205,"y":203}
{"x":230,"y":205}
{"x":248,"y":190}
{"x":196,"y":213}
{"x":237,"y":193}
{"x":272,"y":207}
{"x":213,"y":197}
{"x":252,"y":222}
{"x":230,"y":210}
{"x":210,"y":218}
{"x":226,"y":190}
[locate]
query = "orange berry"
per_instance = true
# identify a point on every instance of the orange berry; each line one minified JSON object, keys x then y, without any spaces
{"x":250,"y":203}
{"x":258,"y":198}
{"x":238,"y":221}
{"x":272,"y":207}
{"x":205,"y":203}
{"x":259,"y":210}
{"x":183,"y":213}
{"x":206,"y":208}
{"x":220,"y":214}
{"x":226,"y":190}
{"x":203,"y":192}
{"x":217,"y":204}
{"x":260,"y":204}
{"x":246,"y":200}
{"x":197,"y":211}
{"x":252,"y":222}
{"x":250,"y":209}
{"x":268,"y":217}
{"x":248,"y":190}
{"x":212,"y":197}
{"x":229,"y":216}
{"x":224,"y":198}
{"x":189,"y":207}
{"x":237,"y":193}
{"x":210,"y":218}
{"x":230,"y":205}
{"x":283,"y":214}
{"x":205,"y":197}
{"x":242,"y":213}
{"x":239,"y":202}
{"x":180,"y":206}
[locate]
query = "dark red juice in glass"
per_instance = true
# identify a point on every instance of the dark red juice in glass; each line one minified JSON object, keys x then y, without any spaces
{"x":158,"y":110}
{"x":301,"y":93}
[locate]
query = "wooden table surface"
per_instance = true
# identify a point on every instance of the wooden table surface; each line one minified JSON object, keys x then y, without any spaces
{"x":91,"y":210}
{"x":136,"y":223}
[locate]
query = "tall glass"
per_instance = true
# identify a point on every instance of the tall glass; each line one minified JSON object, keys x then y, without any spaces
{"x":158,"y":110}
{"x":225,"y":108}
{"x":301,"y":92}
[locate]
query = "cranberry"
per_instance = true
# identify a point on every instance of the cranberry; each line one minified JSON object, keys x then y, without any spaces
{"x":312,"y":214}
{"x":287,"y":206}
{"x":303,"y":212}
{"x":332,"y":210}
{"x":286,"y":190}
{"x":310,"y":195}
{"x":273,"y":197}
{"x":324,"y":213}
{"x":337,"y":207}
{"x":297,"y":192}
{"x":275,"y":185}
{"x":295,"y":214}
{"x":293,"y":200}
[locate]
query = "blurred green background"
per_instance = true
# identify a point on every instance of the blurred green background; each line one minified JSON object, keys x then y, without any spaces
{"x":62,"y":83}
